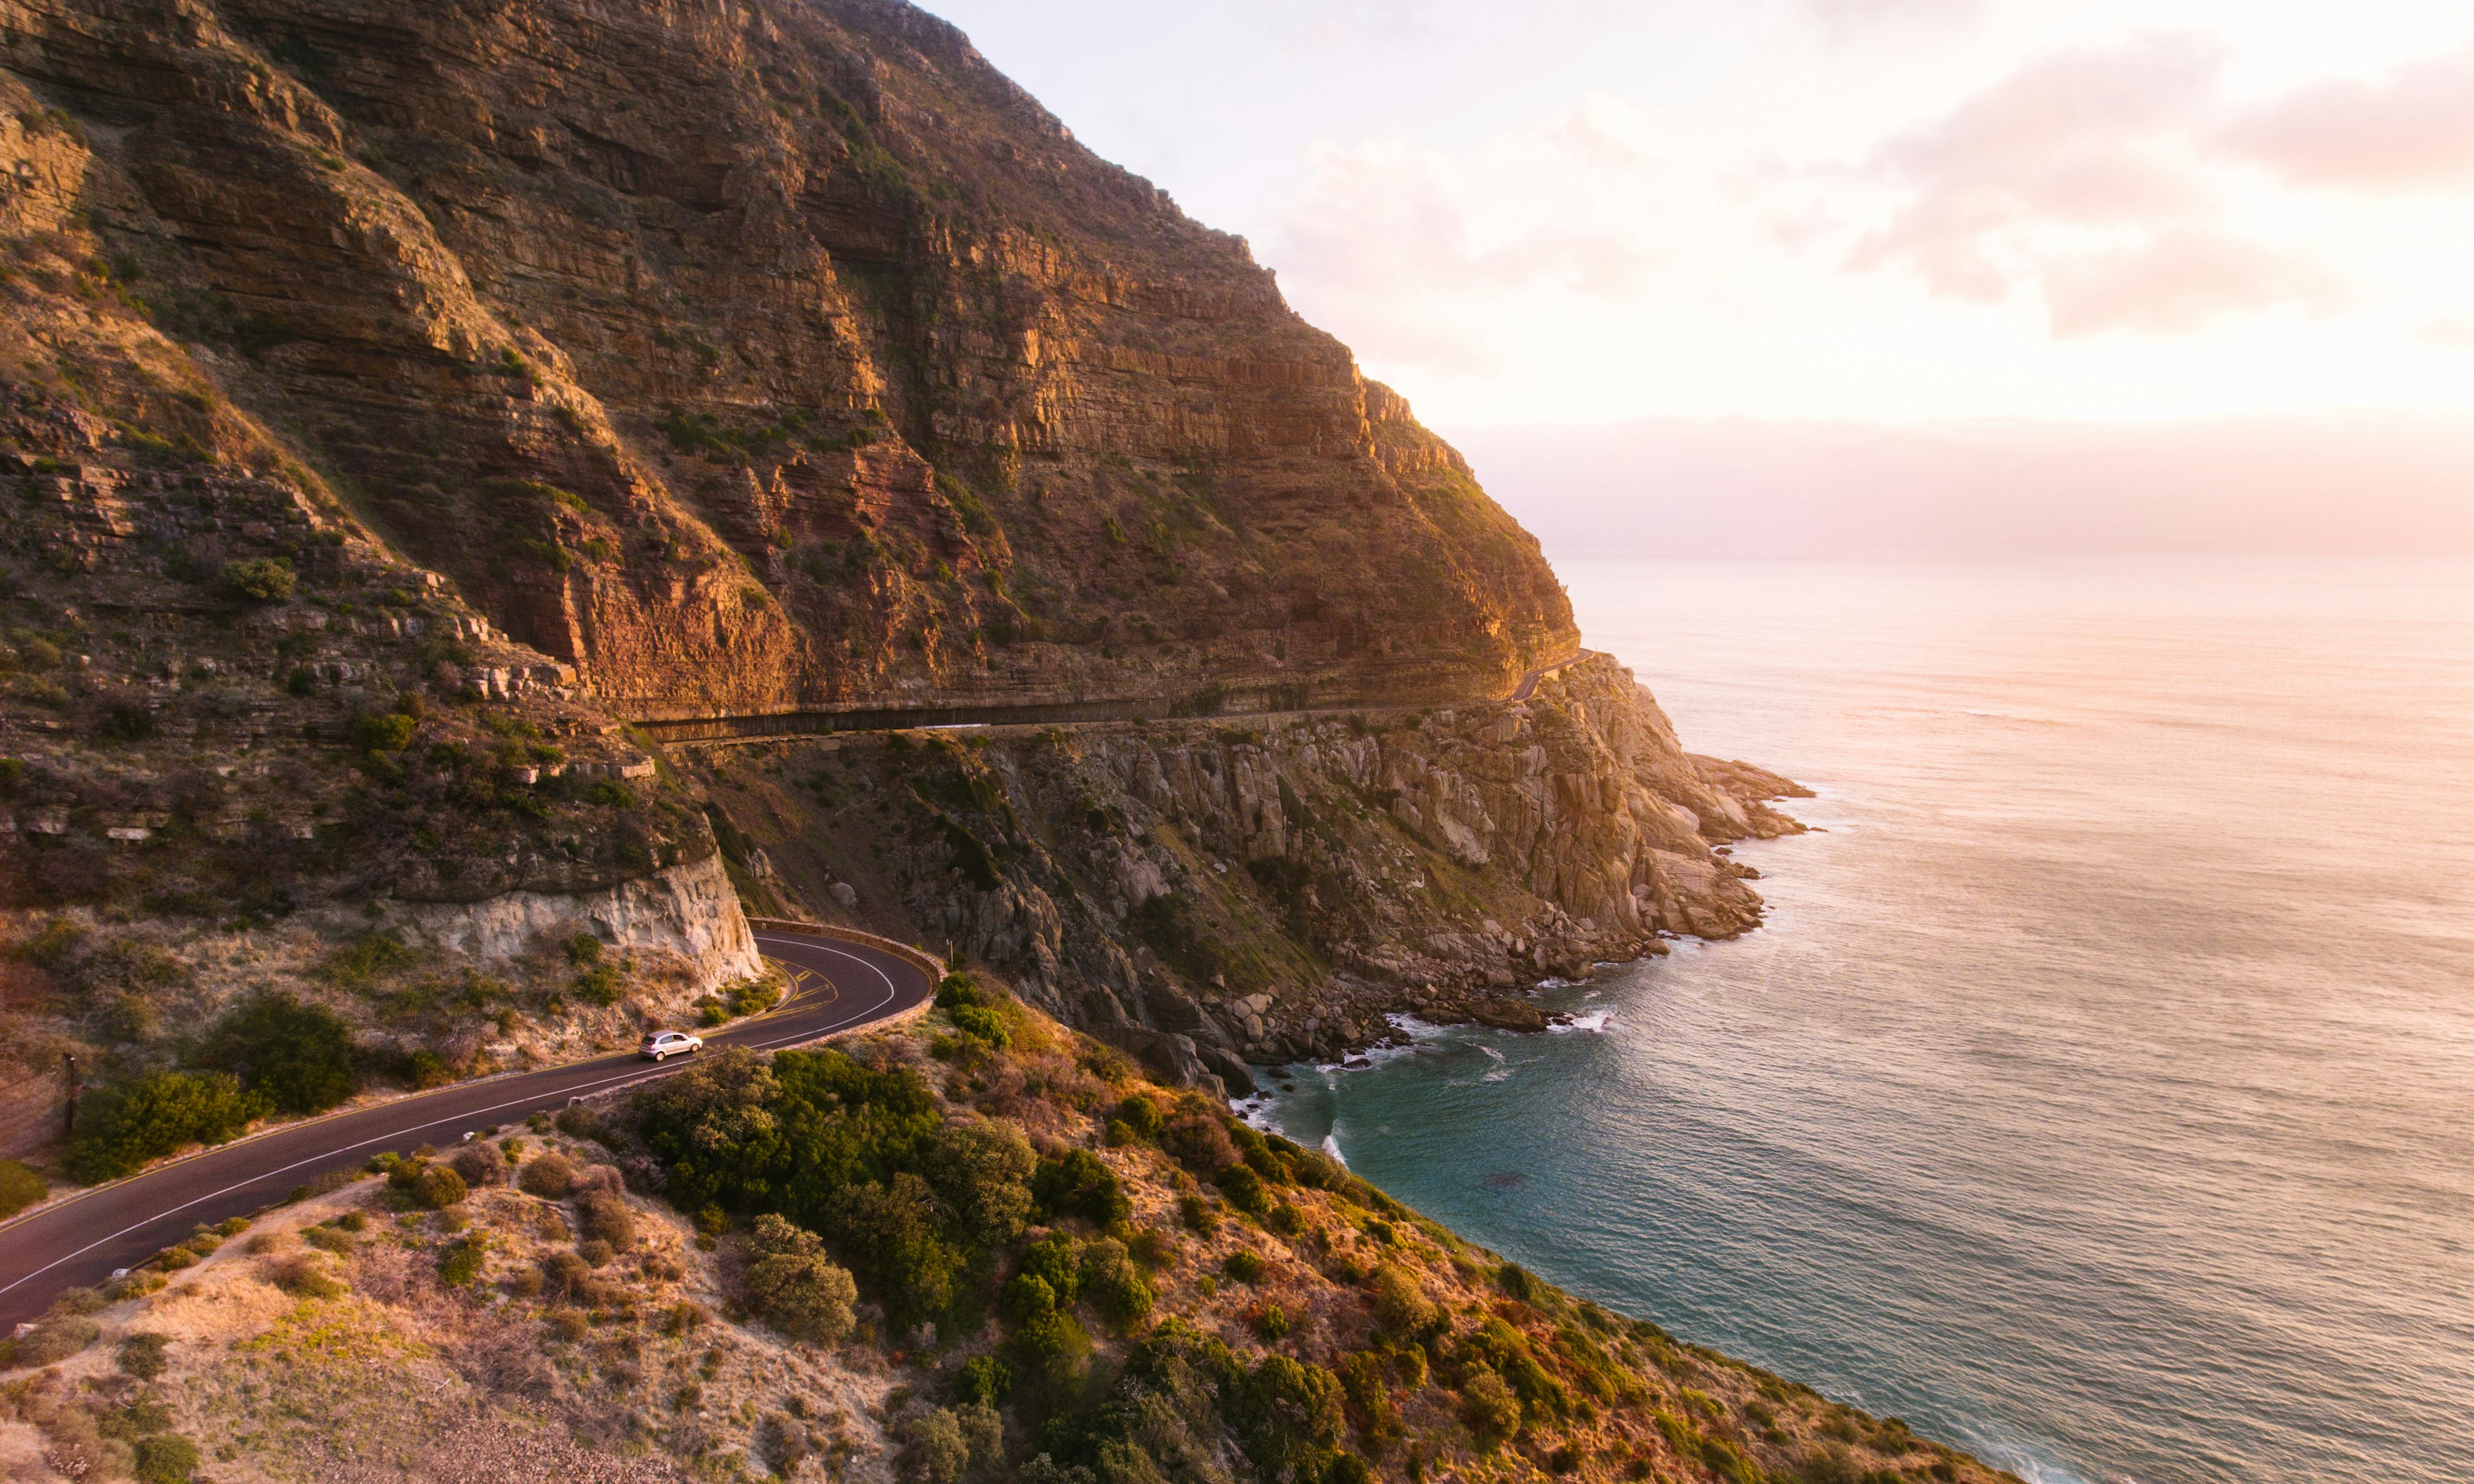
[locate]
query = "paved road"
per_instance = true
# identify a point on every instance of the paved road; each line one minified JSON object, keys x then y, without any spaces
{"x":77,"y":1242}
{"x":776,"y":726}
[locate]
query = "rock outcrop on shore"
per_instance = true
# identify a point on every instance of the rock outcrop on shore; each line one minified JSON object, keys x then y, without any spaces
{"x":1208,"y":894}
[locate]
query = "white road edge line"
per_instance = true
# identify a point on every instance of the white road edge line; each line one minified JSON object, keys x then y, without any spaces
{"x":890,"y":991}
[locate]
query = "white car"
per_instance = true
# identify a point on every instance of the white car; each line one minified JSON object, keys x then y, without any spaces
{"x":668,"y":1044}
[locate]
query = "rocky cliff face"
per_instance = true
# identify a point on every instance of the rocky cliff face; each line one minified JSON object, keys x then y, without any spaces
{"x":403,"y":400}
{"x":753,"y":356}
{"x":1209,"y":896}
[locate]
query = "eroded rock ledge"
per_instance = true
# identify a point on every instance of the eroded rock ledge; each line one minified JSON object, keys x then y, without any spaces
{"x":1210,"y":894}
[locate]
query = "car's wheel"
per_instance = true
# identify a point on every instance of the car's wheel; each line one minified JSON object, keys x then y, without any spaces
{"x":658,"y":1055}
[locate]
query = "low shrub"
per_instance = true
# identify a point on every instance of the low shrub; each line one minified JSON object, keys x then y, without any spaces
{"x":55,"y":1338}
{"x":154,"y":1114}
{"x":1197,"y":1215}
{"x":142,"y":1354}
{"x":1245,"y":1190}
{"x":1243,"y":1265}
{"x":480,"y":1163}
{"x":547,"y":1175}
{"x":983,"y":1379}
{"x":431,"y":1185}
{"x":166,"y":1458}
{"x":1401,"y":1306}
{"x":1080,"y":1184}
{"x":260,"y":579}
{"x":298,"y":1057}
{"x":607,"y":1218}
{"x":19,"y":1187}
{"x":460,"y":1264}
{"x":302,"y":1275}
{"x":1489,"y":1409}
{"x":1115,"y":1285}
{"x":1200,"y":1142}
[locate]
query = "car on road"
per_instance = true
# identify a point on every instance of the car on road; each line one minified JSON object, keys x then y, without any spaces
{"x":668,"y":1044}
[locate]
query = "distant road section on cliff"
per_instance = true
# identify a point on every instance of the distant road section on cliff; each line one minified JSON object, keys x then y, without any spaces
{"x":799,"y":724}
{"x":838,"y":986}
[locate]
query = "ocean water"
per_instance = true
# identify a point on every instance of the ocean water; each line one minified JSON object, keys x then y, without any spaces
{"x":2099,"y":1097}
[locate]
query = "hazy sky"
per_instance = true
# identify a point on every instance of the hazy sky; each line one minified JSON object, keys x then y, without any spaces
{"x":1900,"y":212}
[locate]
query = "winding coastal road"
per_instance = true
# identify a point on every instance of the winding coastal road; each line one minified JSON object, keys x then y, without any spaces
{"x":777,"y":726}
{"x":837,"y":986}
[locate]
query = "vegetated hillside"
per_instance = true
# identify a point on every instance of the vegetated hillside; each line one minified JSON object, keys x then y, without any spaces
{"x":980,"y":1249}
{"x":247,"y":747}
{"x":755,"y":355}
{"x":1206,"y":894}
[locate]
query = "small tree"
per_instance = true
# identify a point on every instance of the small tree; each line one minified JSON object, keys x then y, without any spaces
{"x":155,"y":1114}
{"x":299,"y":1057}
{"x":795,"y":1285}
{"x":260,"y":579}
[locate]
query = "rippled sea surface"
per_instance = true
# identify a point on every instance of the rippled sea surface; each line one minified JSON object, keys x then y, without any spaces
{"x":2099,"y":1097}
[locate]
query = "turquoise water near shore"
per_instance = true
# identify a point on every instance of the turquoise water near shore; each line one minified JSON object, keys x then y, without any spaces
{"x":2099,"y":1097}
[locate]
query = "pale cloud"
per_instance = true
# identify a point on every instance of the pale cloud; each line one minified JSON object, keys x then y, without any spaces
{"x":1391,"y":238}
{"x":2082,"y":178}
{"x":1846,"y":17}
{"x":2180,"y":281}
{"x":2410,"y":129}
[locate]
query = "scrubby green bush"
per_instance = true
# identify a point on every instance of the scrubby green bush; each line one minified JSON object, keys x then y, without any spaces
{"x":1244,"y":1189}
{"x":1048,"y":1352}
{"x":55,"y":1338}
{"x":482,"y":1163}
{"x":1114,"y":1284}
{"x":606,"y":1217}
{"x":1401,"y":1306}
{"x":260,"y":579}
{"x":1200,"y":1142}
{"x":299,"y":1057}
{"x":1287,"y":1412}
{"x":142,"y":1354}
{"x":980,"y":1024}
{"x":1370,"y":1396}
{"x":894,"y":1234}
{"x":383,"y":731}
{"x":945,"y":1445}
{"x":983,"y":1379}
{"x":1489,"y":1409}
{"x":431,"y":1185}
{"x":19,"y":1187}
{"x":602,"y":985}
{"x":1243,"y":1265}
{"x":794,"y":1285}
{"x":166,"y":1458}
{"x":155,"y":1114}
{"x":1142,"y":1116}
{"x":547,"y":1175}
{"x":1080,"y":1184}
{"x":461,"y":1262}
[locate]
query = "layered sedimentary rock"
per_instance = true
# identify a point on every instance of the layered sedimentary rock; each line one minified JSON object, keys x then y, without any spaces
{"x":405,"y":399}
{"x":753,"y":356}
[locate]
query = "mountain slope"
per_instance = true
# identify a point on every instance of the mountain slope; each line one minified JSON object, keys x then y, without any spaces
{"x":866,"y":380}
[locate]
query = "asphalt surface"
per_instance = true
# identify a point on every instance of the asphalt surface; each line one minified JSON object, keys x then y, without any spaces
{"x":774,"y":726}
{"x":79,"y":1242}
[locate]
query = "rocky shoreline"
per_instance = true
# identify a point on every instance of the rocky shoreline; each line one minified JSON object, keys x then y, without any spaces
{"x":1214,"y":896}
